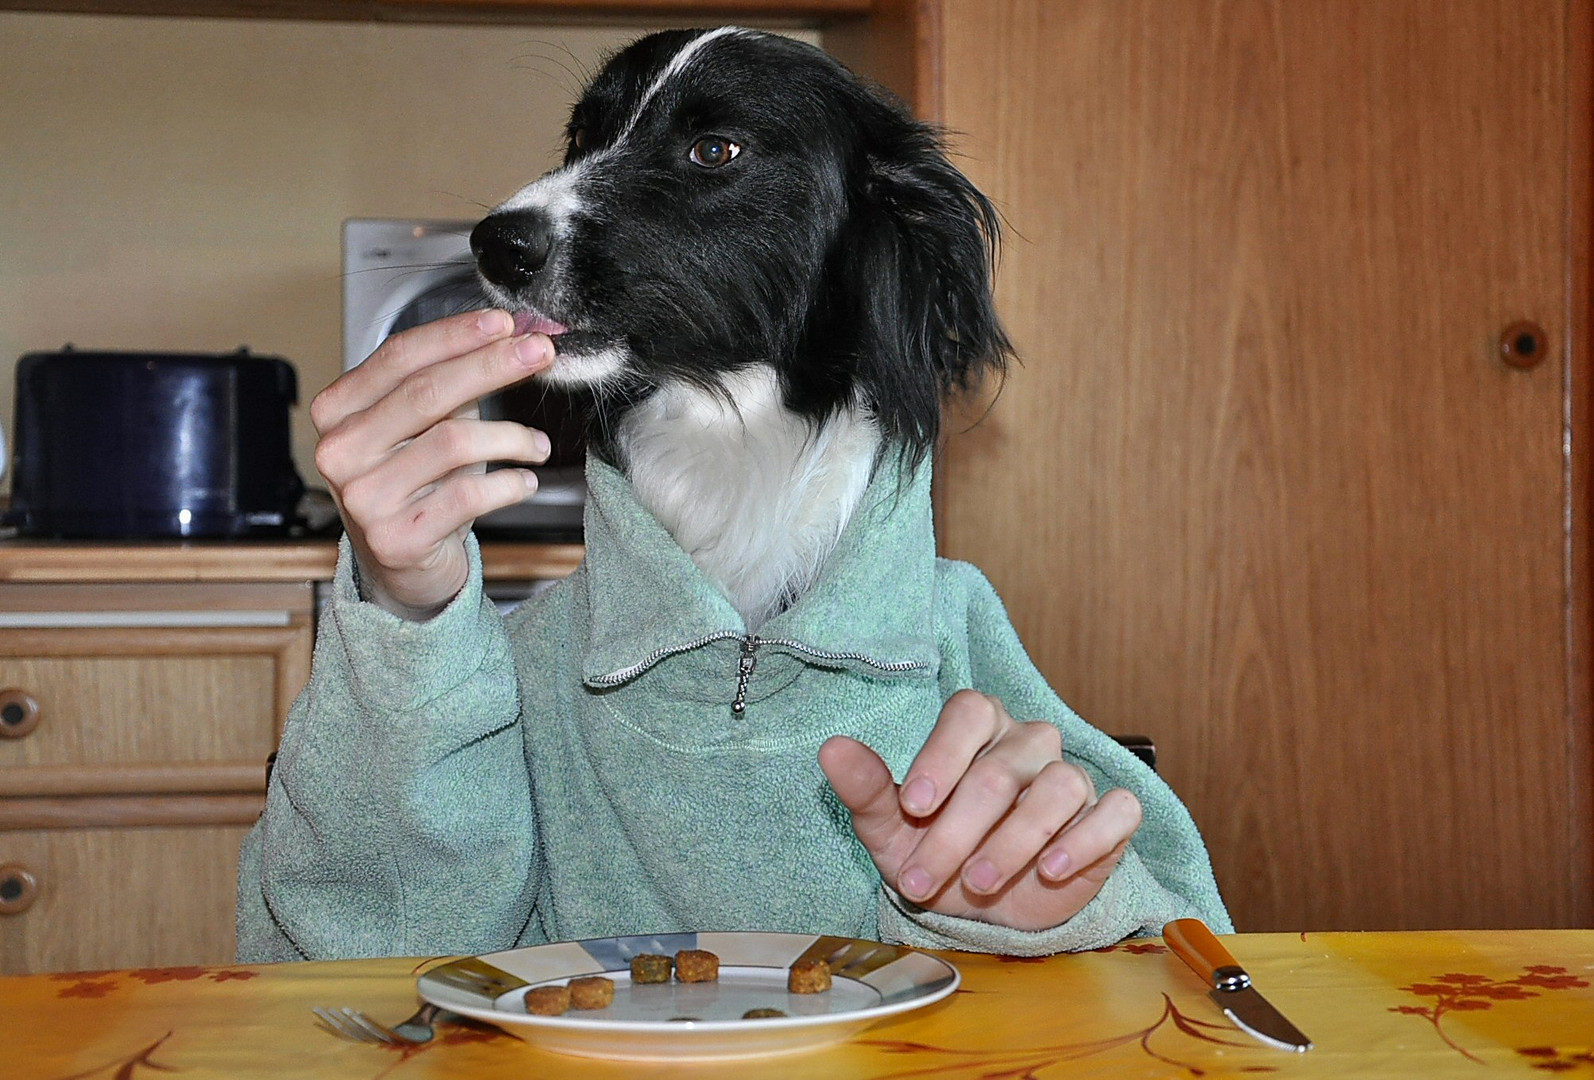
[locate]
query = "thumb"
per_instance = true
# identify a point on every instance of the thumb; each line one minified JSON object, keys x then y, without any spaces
{"x":863,"y":783}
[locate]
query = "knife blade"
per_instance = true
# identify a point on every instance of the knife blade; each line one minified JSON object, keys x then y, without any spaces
{"x":1231,"y":986}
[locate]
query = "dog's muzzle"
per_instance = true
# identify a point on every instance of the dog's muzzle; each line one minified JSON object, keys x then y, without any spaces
{"x":510,"y":247}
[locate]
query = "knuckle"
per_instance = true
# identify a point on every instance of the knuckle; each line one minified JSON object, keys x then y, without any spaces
{"x":323,"y":409}
{"x":331,"y":453}
{"x":996,"y":784}
{"x":1126,"y":803}
{"x":395,"y":350}
{"x":358,"y":497}
{"x":1066,"y":783}
{"x":453,"y":439}
{"x":1046,"y":737}
{"x":423,"y":392}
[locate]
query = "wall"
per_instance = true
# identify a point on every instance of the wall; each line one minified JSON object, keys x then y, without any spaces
{"x":181,"y":183}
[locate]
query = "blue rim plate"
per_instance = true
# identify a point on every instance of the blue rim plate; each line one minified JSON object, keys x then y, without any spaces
{"x":870,"y":981}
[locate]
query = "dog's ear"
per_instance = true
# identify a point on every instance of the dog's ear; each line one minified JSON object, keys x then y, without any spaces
{"x":918,"y":256}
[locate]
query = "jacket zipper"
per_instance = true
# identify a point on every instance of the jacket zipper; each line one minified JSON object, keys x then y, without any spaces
{"x":748,"y":660}
{"x":744,"y":671}
{"x":750,"y":644}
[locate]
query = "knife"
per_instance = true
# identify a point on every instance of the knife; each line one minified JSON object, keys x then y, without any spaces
{"x":1231,"y":986}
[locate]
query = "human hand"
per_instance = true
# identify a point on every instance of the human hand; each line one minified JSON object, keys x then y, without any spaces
{"x":990,"y":822}
{"x":405,"y":453}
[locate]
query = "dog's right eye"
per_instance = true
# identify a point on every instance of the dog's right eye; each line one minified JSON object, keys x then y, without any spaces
{"x":713,"y":151}
{"x":578,"y":138}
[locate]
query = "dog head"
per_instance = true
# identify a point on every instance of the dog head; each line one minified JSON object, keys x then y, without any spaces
{"x":732,"y":198}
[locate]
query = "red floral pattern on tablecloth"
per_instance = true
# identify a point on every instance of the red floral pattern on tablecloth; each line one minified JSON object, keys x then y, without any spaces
{"x":1558,"y":1059}
{"x":129,"y":1067}
{"x":1465,"y":992}
{"x":1170,"y":1027}
{"x":96,"y":984}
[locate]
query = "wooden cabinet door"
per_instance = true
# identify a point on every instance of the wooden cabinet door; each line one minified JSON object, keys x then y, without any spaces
{"x":122,"y":897}
{"x":1262,"y":486}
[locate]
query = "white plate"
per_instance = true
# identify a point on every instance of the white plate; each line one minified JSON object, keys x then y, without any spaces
{"x":675,"y":1020}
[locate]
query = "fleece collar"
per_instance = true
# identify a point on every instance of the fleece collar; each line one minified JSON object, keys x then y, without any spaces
{"x":870,"y":611}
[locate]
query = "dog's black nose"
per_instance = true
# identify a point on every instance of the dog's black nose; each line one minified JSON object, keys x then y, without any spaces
{"x":511,"y":247}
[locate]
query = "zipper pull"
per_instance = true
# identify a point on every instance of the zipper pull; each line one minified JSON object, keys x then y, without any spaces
{"x":744,"y":671}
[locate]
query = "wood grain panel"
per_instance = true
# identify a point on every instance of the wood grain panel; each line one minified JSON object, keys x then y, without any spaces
{"x":115,"y":710}
{"x":694,"y":12}
{"x":115,"y":898}
{"x":70,"y":812}
{"x":1261,"y":487}
{"x":130,"y":779}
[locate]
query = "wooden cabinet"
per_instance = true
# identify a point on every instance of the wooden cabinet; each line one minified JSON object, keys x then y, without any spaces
{"x":141,"y":690}
{"x":1262,"y":485}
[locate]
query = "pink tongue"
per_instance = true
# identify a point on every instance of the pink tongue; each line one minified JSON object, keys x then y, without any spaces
{"x":528,"y":322}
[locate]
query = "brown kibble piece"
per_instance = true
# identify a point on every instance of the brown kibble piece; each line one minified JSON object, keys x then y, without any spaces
{"x":808,"y":977}
{"x":591,"y":992}
{"x":762,"y":1014}
{"x":547,"y":1000}
{"x":696,"y":965}
{"x":650,"y":968}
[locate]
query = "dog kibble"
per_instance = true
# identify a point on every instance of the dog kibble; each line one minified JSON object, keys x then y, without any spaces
{"x":547,"y":1000}
{"x":697,"y":965}
{"x":650,"y":968}
{"x":808,"y":977}
{"x":591,"y":992}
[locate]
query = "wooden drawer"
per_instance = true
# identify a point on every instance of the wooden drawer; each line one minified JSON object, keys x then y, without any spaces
{"x":110,"y":710}
{"x":163,"y":690}
{"x":114,"y":898}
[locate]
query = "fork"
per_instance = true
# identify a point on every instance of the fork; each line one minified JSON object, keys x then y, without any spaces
{"x":354,"y":1025}
{"x":471,"y":975}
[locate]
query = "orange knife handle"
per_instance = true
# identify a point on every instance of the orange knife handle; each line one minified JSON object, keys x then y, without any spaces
{"x":1197,"y":946}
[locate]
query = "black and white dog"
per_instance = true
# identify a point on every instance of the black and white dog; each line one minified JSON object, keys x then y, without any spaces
{"x":767,"y":276}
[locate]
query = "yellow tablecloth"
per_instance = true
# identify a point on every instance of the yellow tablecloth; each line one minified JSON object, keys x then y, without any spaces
{"x":1407,"y":1005}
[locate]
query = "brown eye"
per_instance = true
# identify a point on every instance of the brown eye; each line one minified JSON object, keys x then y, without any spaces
{"x":578,"y":138}
{"x":712,"y":152}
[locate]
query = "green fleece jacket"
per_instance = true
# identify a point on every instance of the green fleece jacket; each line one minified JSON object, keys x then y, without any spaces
{"x":576,"y":769}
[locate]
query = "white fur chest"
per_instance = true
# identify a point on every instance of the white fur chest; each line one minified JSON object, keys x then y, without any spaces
{"x":755,"y":495}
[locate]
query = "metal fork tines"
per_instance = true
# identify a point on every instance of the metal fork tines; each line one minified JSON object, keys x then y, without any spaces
{"x":354,"y":1025}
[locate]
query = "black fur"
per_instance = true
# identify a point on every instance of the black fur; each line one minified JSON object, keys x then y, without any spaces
{"x":840,"y":246}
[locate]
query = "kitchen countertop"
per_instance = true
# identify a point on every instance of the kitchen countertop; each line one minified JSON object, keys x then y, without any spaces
{"x":57,"y":561}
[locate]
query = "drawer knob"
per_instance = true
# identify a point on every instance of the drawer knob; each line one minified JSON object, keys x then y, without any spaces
{"x":19,"y":713}
{"x":18,"y":889}
{"x":1524,"y":345}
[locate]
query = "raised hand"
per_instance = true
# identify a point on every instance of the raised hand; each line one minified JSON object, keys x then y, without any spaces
{"x":405,"y":453}
{"x":990,"y":822}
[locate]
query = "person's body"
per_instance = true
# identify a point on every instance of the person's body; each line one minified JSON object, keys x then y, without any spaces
{"x":601,"y":765}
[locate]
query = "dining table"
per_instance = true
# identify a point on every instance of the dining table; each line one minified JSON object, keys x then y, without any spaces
{"x":1410,"y":1004}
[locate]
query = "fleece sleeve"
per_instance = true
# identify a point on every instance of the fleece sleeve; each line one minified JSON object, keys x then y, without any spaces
{"x":1165,"y":873}
{"x":398,"y":817}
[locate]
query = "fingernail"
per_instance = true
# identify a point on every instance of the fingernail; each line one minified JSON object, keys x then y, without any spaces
{"x":532,"y":350}
{"x":918,"y":795}
{"x":914,"y":883}
{"x":541,"y":444}
{"x":492,"y":322}
{"x":982,"y":875}
{"x":530,"y":478}
{"x":1054,"y":864}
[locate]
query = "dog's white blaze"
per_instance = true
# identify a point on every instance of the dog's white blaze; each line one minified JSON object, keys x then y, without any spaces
{"x":670,"y":70}
{"x":755,"y":494}
{"x":557,"y":194}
